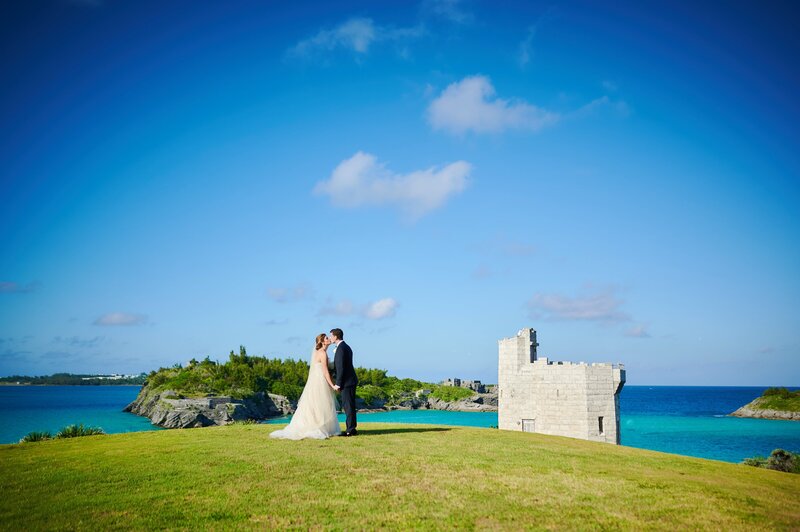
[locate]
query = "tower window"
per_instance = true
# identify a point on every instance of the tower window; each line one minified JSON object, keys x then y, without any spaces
{"x":600,"y":424}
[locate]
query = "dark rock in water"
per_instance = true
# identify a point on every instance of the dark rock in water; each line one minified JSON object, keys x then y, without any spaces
{"x":167,"y":409}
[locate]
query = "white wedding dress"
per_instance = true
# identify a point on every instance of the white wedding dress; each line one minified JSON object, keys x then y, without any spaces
{"x":315,"y":416}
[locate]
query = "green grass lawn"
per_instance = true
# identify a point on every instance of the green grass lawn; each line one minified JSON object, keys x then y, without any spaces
{"x":391,"y":476}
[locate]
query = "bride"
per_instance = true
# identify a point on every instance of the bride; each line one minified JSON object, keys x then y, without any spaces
{"x":315,"y":416}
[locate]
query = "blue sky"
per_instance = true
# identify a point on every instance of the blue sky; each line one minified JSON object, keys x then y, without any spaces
{"x":181,"y":178}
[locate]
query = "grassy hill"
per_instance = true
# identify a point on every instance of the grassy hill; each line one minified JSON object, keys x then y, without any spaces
{"x":779,"y":399}
{"x":395,"y":476}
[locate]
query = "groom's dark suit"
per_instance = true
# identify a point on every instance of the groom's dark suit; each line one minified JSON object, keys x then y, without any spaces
{"x":346,"y":379}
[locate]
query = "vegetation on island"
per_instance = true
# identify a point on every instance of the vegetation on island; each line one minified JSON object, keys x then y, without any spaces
{"x":451,"y":393}
{"x":391,"y":476}
{"x":779,"y":399}
{"x":779,"y":460}
{"x":244,"y":375}
{"x":73,"y":379}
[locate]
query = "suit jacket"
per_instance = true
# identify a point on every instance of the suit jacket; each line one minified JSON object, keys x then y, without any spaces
{"x":343,"y":361}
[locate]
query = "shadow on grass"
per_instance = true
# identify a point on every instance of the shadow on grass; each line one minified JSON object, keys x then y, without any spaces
{"x":399,"y":430}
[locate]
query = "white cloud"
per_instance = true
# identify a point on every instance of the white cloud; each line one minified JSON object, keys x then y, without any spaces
{"x":482,"y":272}
{"x":296,"y":340}
{"x":471,"y":105}
{"x":602,"y":307}
{"x":451,"y":10}
{"x":120,"y":318}
{"x":609,"y":85}
{"x":357,"y":34}
{"x":77,"y":341}
{"x":383,"y":308}
{"x":362,"y":181}
{"x":638,"y":331}
{"x":13,"y":355}
{"x":604,"y":102}
{"x":342,"y":308}
{"x":284,"y":295}
{"x":376,"y":310}
{"x":10,"y":287}
{"x":518,"y":249}
{"x":526,"y":47}
{"x":500,"y":244}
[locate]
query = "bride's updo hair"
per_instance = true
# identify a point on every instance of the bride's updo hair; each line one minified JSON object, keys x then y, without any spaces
{"x":320,"y":339}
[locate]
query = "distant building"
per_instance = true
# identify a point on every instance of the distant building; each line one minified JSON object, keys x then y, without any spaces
{"x":112,"y":377}
{"x":560,"y":398}
{"x":475,"y":386}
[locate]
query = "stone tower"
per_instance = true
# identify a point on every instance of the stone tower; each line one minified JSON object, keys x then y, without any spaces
{"x":560,"y":398}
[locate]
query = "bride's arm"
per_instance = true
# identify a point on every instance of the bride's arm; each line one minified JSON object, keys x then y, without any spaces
{"x":326,"y":371}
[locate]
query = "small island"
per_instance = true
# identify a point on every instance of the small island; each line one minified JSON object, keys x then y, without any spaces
{"x":774,"y":403}
{"x":206,"y":392}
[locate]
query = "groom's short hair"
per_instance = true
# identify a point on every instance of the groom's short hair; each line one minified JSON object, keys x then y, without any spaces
{"x":338,"y":333}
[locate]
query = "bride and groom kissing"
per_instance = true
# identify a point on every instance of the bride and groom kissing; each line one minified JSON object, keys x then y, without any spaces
{"x":315,"y":416}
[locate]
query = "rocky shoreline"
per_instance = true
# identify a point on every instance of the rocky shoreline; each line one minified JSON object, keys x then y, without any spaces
{"x":169,"y":409}
{"x":753,"y":410}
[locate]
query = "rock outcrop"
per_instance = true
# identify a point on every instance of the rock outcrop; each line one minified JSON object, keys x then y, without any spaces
{"x":169,"y":410}
{"x":752,"y":409}
{"x":480,"y":402}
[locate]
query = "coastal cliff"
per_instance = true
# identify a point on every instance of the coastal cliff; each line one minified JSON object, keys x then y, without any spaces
{"x":170,"y":410}
{"x":775,"y":403}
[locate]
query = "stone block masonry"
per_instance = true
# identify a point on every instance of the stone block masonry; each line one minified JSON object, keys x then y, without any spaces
{"x":535,"y":394}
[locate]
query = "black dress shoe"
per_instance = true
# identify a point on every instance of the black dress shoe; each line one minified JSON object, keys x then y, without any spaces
{"x":354,"y":432}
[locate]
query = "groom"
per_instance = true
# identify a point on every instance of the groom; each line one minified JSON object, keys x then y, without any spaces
{"x":346,"y":379}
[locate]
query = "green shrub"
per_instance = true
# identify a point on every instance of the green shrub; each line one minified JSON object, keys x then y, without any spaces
{"x":451,"y":393}
{"x":245,"y":422}
{"x":370,"y":394}
{"x":756,"y":461}
{"x":75,"y":431}
{"x":290,"y":391}
{"x":783,"y":393}
{"x":36,"y":436}
{"x":779,"y":460}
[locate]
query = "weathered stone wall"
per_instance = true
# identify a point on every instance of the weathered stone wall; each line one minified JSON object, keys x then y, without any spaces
{"x":559,"y":398}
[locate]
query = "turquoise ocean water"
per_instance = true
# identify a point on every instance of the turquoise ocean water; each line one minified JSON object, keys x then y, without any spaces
{"x":48,"y":408}
{"x":683,"y":420}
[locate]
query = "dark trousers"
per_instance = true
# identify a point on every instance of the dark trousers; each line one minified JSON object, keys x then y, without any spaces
{"x":349,"y":407}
